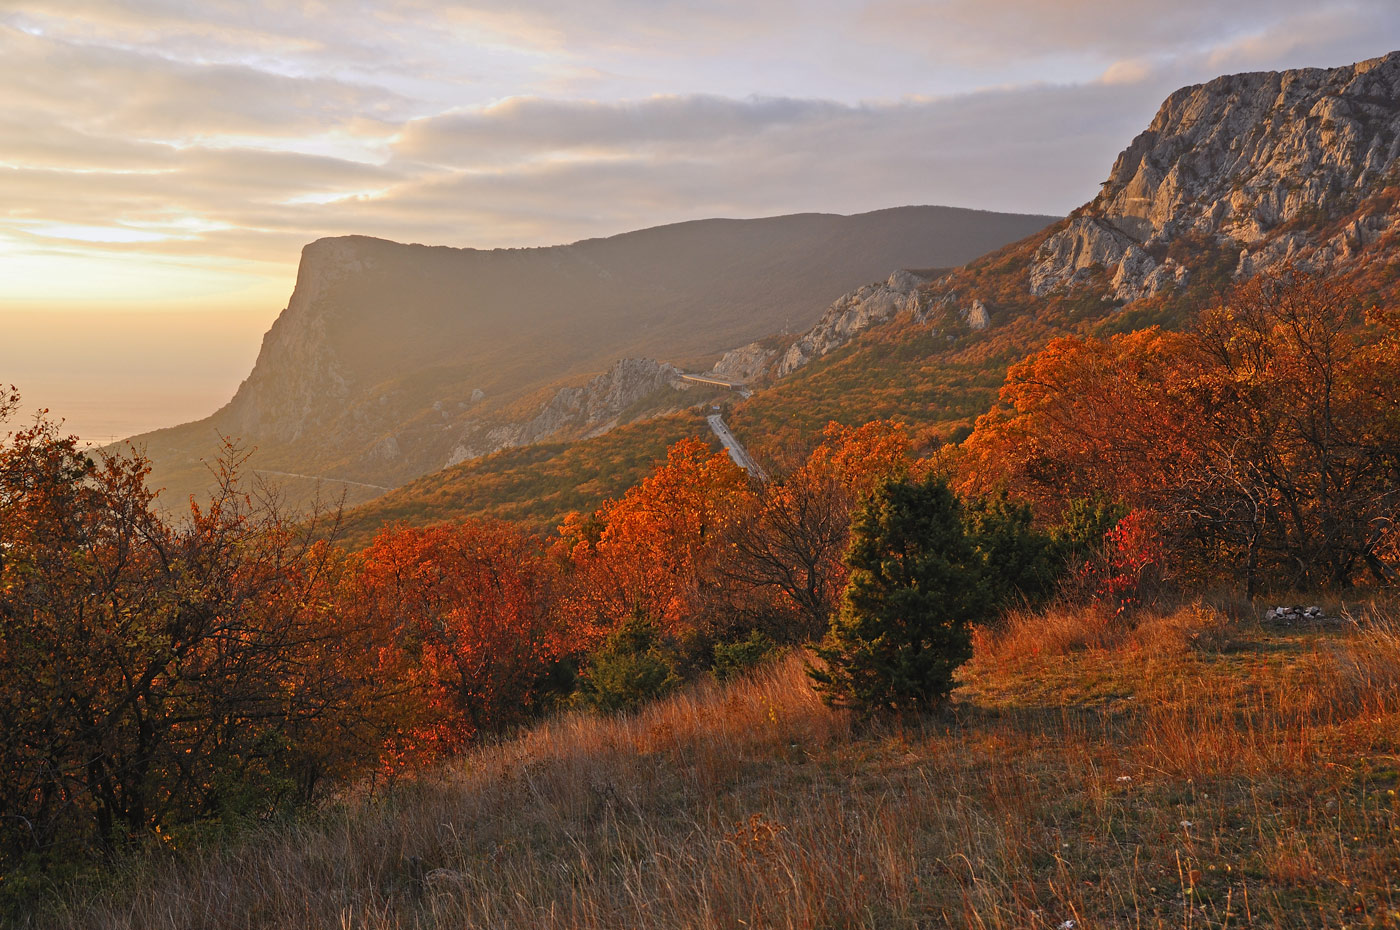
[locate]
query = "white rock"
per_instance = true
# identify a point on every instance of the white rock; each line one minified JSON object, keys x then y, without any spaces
{"x":744,"y":363}
{"x":977,"y":316}
{"x":851,"y":315}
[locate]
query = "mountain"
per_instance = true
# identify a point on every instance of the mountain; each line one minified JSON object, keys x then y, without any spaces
{"x":392,"y":361}
{"x":1231,"y":178}
{"x":1267,"y":161}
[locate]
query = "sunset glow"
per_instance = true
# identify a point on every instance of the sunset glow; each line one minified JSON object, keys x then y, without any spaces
{"x":176,"y":157}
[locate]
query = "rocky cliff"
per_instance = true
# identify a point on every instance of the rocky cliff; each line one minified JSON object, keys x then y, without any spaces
{"x":1257,"y":161}
{"x":297,"y":377}
{"x":852,"y":315}
{"x":1265,"y":168}
{"x":585,"y":410}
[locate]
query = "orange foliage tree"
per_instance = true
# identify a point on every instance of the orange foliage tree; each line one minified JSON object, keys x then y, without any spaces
{"x":652,"y":551}
{"x":1267,"y":437}
{"x":468,"y":609}
{"x":789,"y":550}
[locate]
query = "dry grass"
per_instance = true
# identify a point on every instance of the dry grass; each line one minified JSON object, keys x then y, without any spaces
{"x":1182,"y":771}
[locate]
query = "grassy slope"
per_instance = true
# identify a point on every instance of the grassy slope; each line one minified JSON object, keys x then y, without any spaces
{"x":1193,"y":772}
{"x":534,"y":486}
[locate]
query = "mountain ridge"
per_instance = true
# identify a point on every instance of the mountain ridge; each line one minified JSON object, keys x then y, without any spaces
{"x":1262,"y":182}
{"x":392,"y":360}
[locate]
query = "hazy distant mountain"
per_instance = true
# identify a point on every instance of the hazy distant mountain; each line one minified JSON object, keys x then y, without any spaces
{"x":393,"y":360}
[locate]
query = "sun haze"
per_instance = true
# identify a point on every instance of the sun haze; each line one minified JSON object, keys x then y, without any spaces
{"x":173,"y":158}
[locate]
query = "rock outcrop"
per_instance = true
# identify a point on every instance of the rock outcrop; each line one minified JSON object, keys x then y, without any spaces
{"x":298,"y":374}
{"x":851,"y":315}
{"x":1256,"y":163}
{"x":1240,"y":158}
{"x":587,"y":409}
{"x":744,"y":364}
{"x":1070,"y":255}
{"x":977,"y":316}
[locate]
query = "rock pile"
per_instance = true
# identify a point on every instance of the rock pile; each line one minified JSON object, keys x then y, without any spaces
{"x":1287,"y":616}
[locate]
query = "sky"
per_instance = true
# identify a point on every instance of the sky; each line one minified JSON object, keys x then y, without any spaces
{"x":162,"y":162}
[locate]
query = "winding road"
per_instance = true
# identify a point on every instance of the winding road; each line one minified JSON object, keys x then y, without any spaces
{"x":736,"y":450}
{"x":292,"y":474}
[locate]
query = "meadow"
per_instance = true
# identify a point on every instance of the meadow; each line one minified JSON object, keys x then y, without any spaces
{"x":1190,"y":767}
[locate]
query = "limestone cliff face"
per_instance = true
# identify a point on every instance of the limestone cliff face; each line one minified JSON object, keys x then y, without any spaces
{"x":1070,"y":255}
{"x":1238,"y":160}
{"x":587,"y":409}
{"x":851,"y":315}
{"x":298,"y":375}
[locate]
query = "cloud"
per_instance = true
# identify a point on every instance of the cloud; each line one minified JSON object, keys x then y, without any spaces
{"x":983,"y":31}
{"x":134,"y":96}
{"x":599,"y":167}
{"x":533,"y":126}
{"x":237,"y":130}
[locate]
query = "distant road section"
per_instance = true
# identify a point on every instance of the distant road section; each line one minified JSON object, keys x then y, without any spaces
{"x":292,"y":474}
{"x":737,"y":452}
{"x":720,"y":382}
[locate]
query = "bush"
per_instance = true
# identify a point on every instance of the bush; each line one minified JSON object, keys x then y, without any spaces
{"x":1083,"y":525}
{"x":916,"y":585}
{"x":630,"y":668}
{"x":1127,"y":569}
{"x":1020,"y":565}
{"x":733,"y":659}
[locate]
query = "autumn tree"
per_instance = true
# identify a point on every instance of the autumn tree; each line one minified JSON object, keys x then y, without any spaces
{"x":469,"y":611}
{"x":151,"y":674}
{"x":1083,"y":417}
{"x":1265,"y":438}
{"x":653,"y":550}
{"x":1300,"y":445}
{"x":790,"y":547}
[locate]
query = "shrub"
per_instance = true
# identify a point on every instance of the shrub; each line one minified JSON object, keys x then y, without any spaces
{"x":1126,"y":569}
{"x":733,"y":659}
{"x":1020,"y":565}
{"x":630,"y":668}
{"x":1082,"y":527}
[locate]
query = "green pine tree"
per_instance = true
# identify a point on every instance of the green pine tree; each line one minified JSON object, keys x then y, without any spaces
{"x":906,"y":614}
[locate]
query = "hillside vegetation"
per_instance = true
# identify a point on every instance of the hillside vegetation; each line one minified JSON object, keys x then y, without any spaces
{"x":535,"y":487}
{"x":1195,"y":768}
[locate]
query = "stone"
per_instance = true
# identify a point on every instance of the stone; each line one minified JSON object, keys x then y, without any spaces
{"x":590,"y":409}
{"x":1239,"y":158}
{"x":977,"y":316}
{"x":1067,"y":257}
{"x":744,"y":364}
